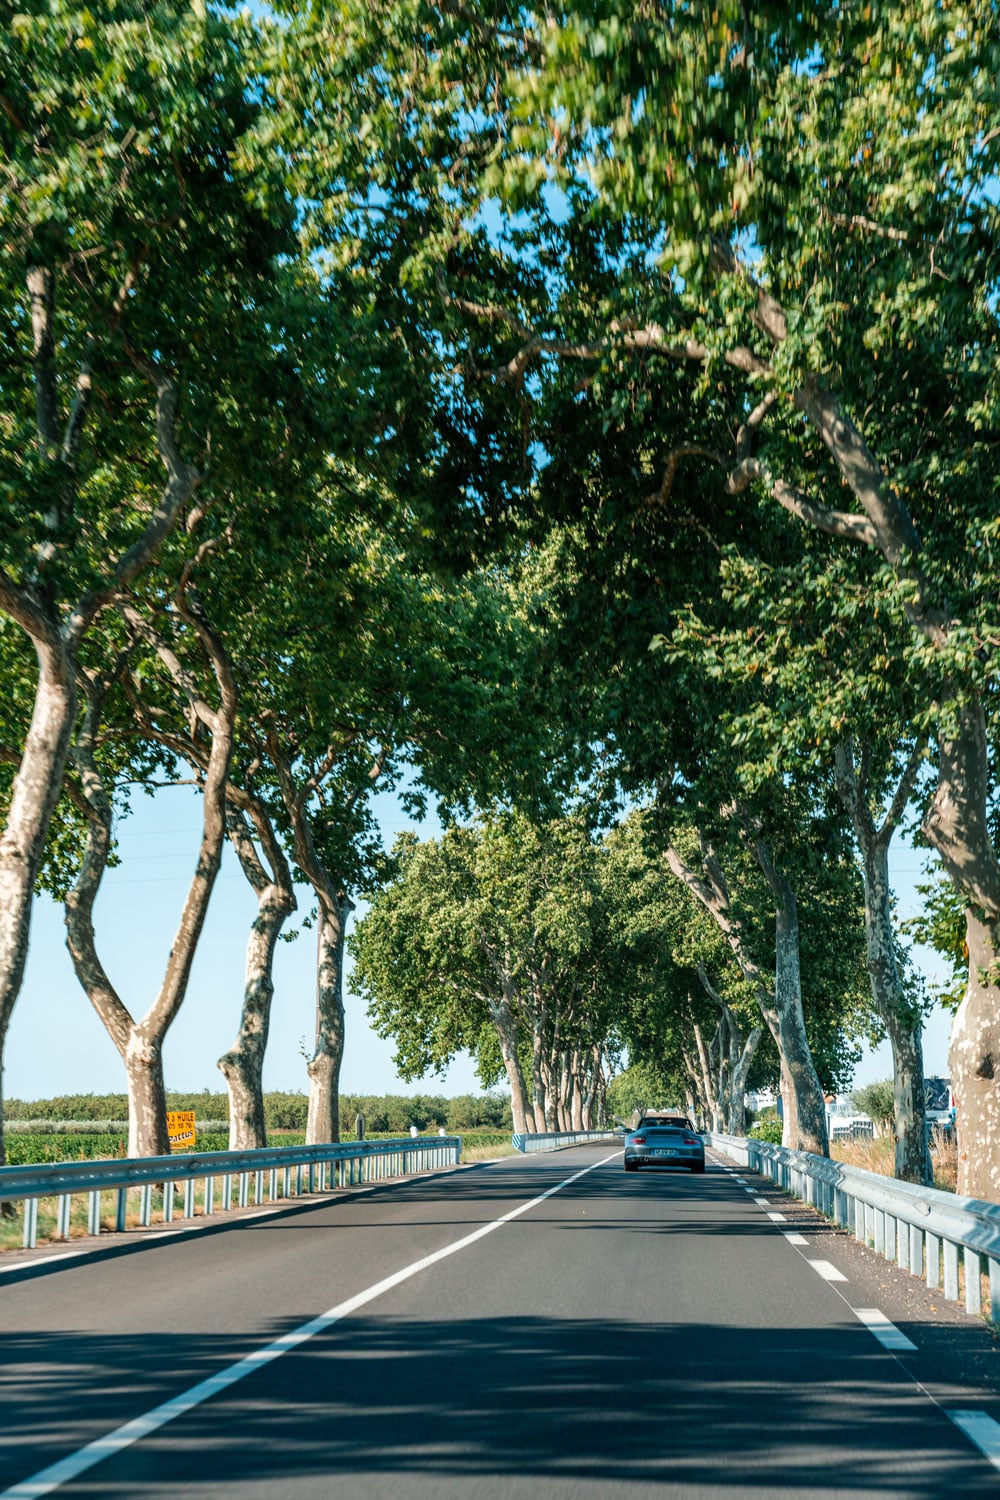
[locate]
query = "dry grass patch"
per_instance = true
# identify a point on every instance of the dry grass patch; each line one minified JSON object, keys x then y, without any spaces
{"x":878,"y":1155}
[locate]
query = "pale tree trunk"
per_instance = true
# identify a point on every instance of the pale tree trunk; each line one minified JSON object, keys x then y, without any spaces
{"x":538,"y":1095}
{"x":810,"y":1124}
{"x":594,"y":1085}
{"x":577,"y":1094}
{"x":708,"y":1090}
{"x":902,"y":1023}
{"x":743,"y":1055}
{"x":243,"y":1065}
{"x":691,"y":1099}
{"x":974,"y":1061}
{"x":323,"y":1068}
{"x":333,"y":908}
{"x":957,"y":826}
{"x":506,"y":1029}
{"x":695,"y":1093}
{"x":804,"y":1116}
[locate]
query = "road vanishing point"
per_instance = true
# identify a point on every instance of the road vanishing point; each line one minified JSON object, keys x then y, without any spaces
{"x":546,"y":1327}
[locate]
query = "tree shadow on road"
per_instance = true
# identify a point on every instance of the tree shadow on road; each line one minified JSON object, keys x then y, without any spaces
{"x":377,"y":1408}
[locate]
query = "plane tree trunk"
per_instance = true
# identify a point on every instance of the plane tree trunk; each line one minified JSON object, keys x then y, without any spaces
{"x":264,"y":864}
{"x":901,"y":1019}
{"x":804,"y":1115}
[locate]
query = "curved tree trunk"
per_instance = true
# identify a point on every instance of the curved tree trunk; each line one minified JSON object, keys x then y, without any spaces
{"x":243,"y":1065}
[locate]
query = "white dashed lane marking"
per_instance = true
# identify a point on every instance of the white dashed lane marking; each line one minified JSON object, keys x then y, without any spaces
{"x":777,"y":1218}
{"x":795,"y":1239}
{"x":827,"y":1271}
{"x":888,"y":1335}
{"x":981,"y":1430}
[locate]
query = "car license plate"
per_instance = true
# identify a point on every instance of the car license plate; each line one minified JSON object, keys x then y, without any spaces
{"x":664,"y":1151}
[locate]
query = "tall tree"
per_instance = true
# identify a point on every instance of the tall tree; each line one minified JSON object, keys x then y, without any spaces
{"x":142,"y":242}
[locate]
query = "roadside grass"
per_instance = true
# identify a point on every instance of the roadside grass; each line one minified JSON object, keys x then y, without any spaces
{"x":877,"y":1155}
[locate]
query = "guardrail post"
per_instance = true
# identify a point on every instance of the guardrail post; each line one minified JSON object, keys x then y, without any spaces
{"x":916,"y":1250}
{"x":62,"y":1224}
{"x":189,"y":1198}
{"x":994,"y":1268}
{"x":209,"y":1195}
{"x":30,"y":1223}
{"x":950,"y":1270}
{"x":145,"y":1204}
{"x":94,"y":1212}
{"x":168,"y":1203}
{"x":973,"y":1288}
{"x":933,"y":1242}
{"x":121,"y":1211}
{"x":902,"y":1245}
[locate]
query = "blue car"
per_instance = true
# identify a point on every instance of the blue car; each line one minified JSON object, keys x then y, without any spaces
{"x":664,"y":1141}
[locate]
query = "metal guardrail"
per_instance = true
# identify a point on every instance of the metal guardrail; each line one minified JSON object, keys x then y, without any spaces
{"x":240,"y":1177}
{"x":529,"y":1143}
{"x":925,"y":1231}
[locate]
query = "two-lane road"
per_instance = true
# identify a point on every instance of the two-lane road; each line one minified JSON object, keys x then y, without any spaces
{"x":547,"y":1327}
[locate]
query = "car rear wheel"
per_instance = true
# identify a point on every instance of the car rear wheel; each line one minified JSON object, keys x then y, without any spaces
{"x":631,"y":1166}
{"x":699,"y":1166}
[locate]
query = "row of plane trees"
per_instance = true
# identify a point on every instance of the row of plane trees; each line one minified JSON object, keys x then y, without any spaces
{"x":387,"y":398}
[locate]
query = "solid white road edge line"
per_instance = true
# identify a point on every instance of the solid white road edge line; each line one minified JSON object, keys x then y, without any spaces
{"x":888,"y":1335}
{"x":980,"y":1430}
{"x":52,"y":1478}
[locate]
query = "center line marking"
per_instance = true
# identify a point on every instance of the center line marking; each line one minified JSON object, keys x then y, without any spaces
{"x":888,"y":1335}
{"x":981,"y":1430}
{"x":825,"y":1269}
{"x":52,"y":1478}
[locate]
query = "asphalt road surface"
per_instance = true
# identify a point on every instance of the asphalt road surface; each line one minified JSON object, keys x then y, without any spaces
{"x":544,"y":1327}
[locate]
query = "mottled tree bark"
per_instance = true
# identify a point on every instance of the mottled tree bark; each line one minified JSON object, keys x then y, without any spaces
{"x":902,"y":1024}
{"x":243,"y":1065}
{"x":506,"y":1029}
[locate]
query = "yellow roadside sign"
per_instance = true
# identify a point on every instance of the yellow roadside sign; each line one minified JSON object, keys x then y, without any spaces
{"x":180,"y":1128}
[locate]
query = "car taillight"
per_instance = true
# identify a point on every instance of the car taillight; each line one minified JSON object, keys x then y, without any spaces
{"x":638,"y":1140}
{"x":690,"y":1140}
